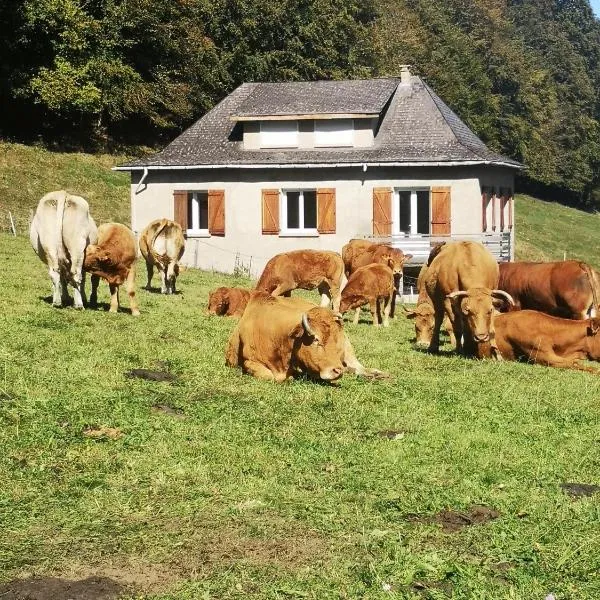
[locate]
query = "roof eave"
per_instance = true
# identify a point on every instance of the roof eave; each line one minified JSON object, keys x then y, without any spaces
{"x":303,"y":116}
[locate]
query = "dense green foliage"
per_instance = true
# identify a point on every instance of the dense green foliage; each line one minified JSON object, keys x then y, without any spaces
{"x":524,"y":74}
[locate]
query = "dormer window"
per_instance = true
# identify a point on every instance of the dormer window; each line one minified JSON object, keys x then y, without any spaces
{"x":279,"y":134}
{"x":334,"y":133}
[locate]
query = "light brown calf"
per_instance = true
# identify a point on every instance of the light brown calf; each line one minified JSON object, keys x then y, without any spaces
{"x":113,"y":258}
{"x":228,"y":301}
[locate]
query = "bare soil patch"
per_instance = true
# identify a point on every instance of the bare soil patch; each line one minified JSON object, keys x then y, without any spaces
{"x":54,"y":588}
{"x":452,"y":521}
{"x":580,"y":490}
{"x":149,"y":375}
{"x":172,"y":411}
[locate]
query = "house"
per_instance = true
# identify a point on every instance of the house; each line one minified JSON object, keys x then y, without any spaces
{"x":283,"y":166}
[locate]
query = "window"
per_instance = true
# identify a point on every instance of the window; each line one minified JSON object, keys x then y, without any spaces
{"x":197,"y":214}
{"x":299,"y":211}
{"x":412,"y":212}
{"x":334,"y":132}
{"x":278,"y":134}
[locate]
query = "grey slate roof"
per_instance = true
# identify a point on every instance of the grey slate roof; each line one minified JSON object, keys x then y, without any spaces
{"x":416,"y":127}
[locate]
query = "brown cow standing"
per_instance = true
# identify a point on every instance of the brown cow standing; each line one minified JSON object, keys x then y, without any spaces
{"x":372,"y":284}
{"x":228,"y":301}
{"x":162,"y":244}
{"x":546,"y":340}
{"x":564,"y":289}
{"x":306,"y":269}
{"x":424,"y":314}
{"x":278,"y":338}
{"x":113,"y":258}
{"x":461,"y":282}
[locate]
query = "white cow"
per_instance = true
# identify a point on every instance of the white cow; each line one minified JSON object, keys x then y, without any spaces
{"x":60,"y":232}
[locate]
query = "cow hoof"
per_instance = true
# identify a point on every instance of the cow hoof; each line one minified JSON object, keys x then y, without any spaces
{"x":135,"y":313}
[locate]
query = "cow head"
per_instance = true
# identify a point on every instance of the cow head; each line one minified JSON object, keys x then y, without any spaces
{"x":476,"y":308}
{"x":319,"y":344}
{"x":593,"y":339}
{"x":217,"y":302}
{"x":424,"y":316}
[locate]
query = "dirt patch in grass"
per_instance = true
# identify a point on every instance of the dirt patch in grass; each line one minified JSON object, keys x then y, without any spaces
{"x":452,"y":521}
{"x":580,"y":490}
{"x":54,"y":588}
{"x":149,"y":375}
{"x":172,"y":411}
{"x":425,"y":588}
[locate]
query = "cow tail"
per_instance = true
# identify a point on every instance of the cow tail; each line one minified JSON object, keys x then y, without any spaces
{"x":593,"y":285}
{"x":159,"y":259}
{"x":61,"y":202}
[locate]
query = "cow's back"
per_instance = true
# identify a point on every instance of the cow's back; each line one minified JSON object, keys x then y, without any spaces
{"x":163,"y":240}
{"x":352,"y":250}
{"x":371,"y":280}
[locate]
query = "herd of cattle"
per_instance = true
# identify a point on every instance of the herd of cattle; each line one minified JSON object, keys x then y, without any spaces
{"x":539,"y":312}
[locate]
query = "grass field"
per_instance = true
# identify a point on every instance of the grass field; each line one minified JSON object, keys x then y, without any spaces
{"x":217,"y":486}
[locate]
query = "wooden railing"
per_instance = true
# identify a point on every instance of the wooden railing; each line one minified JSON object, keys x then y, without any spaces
{"x":499,"y":244}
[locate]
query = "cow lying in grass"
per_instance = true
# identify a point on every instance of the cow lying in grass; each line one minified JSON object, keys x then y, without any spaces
{"x":373,"y":285}
{"x":279,"y":338}
{"x":228,"y":301}
{"x":546,"y":340}
{"x":113,"y":258}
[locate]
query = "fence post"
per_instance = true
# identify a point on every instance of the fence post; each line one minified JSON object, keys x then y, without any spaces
{"x":12,"y":224}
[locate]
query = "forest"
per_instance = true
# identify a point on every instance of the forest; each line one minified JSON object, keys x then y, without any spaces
{"x":132,"y":74}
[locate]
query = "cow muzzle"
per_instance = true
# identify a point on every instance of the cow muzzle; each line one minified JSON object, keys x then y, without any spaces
{"x":331,"y":374}
{"x":481,"y":337}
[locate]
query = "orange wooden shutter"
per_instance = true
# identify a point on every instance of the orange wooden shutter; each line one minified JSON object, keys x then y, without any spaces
{"x":326,"y":210}
{"x":180,"y":208}
{"x":216,"y":212}
{"x":503,"y":203}
{"x":483,"y":210}
{"x":382,"y":211}
{"x":270,"y":212}
{"x":511,"y":207}
{"x":493,"y":211}
{"x":440,"y":211}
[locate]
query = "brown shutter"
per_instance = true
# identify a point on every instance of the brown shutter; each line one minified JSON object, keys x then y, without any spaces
{"x":440,"y":211}
{"x":484,"y":210}
{"x":493,"y":211}
{"x":382,"y":211}
{"x":511,"y":205}
{"x":503,"y":203}
{"x":270,"y":212}
{"x":180,"y":208}
{"x":216,"y":212}
{"x":326,"y":210}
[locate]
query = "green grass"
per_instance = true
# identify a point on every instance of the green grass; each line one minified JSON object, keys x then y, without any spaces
{"x":281,"y":491}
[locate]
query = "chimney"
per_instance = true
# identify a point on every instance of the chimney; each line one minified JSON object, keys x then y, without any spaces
{"x":405,"y":74}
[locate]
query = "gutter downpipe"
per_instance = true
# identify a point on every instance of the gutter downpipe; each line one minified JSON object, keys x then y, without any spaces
{"x":141,"y":182}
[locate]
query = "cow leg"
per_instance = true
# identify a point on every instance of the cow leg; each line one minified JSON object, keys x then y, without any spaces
{"x":550,"y":359}
{"x":114,"y":298}
{"x":57,"y":286}
{"x":170,"y":278}
{"x":375,"y":311}
{"x":387,"y":308}
{"x":258,"y":370}
{"x":334,"y":292}
{"x":352,"y":365}
{"x":150,"y":273}
{"x":325,"y":291}
{"x":356,"y":316}
{"x":455,"y":323}
{"x":130,"y":287}
{"x":282,"y":290}
{"x":164,"y":288}
{"x":64,"y":292}
{"x":434,"y":344}
{"x":94,"y":293}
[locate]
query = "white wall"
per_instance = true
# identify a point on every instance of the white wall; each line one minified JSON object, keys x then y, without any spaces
{"x":354,"y":205}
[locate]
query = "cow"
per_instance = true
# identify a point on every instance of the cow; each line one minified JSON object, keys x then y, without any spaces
{"x":279,"y":338}
{"x":113,"y":258}
{"x":162,"y":244}
{"x":424,"y":314}
{"x":228,"y":301}
{"x":462,"y":283}
{"x":359,"y":253}
{"x":564,"y":289}
{"x":372,"y":284}
{"x":306,"y":269}
{"x":543,"y":339}
{"x":60,"y":231}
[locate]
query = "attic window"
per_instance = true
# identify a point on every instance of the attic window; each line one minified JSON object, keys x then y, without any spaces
{"x":334,"y":133}
{"x":279,"y":134}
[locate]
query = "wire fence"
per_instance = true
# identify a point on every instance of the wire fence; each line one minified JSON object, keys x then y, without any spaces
{"x":15,"y":223}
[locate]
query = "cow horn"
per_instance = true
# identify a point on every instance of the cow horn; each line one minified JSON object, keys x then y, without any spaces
{"x":459,"y":294}
{"x":505,"y":295}
{"x":306,"y":326}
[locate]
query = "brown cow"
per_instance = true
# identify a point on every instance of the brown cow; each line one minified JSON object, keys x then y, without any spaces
{"x":162,"y":244}
{"x":113,"y":258}
{"x":228,"y":301}
{"x":424,"y":314}
{"x":278,"y":338}
{"x":546,"y":340}
{"x":564,"y":289}
{"x":372,"y":284}
{"x":306,"y":269}
{"x":461,"y":282}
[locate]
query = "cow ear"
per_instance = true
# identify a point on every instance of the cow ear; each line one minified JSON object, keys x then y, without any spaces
{"x":594,"y":326}
{"x":297,"y":332}
{"x":407,"y":257}
{"x":410,"y":314}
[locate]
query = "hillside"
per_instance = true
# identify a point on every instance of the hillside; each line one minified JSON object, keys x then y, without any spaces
{"x":545,"y":230}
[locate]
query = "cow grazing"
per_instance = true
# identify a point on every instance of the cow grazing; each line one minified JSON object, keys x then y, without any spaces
{"x":461,"y":281}
{"x":424,"y":314}
{"x":373,"y":285}
{"x":162,"y":244}
{"x":60,"y":231}
{"x":306,"y":269}
{"x":564,"y":289}
{"x":113,"y":258}
{"x":539,"y":338}
{"x":278,"y":338}
{"x":228,"y":301}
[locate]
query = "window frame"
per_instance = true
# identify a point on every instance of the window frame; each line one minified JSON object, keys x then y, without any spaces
{"x":262,"y":129}
{"x":194,"y":215}
{"x":413,"y":211}
{"x":284,"y":230}
{"x":330,"y":144}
